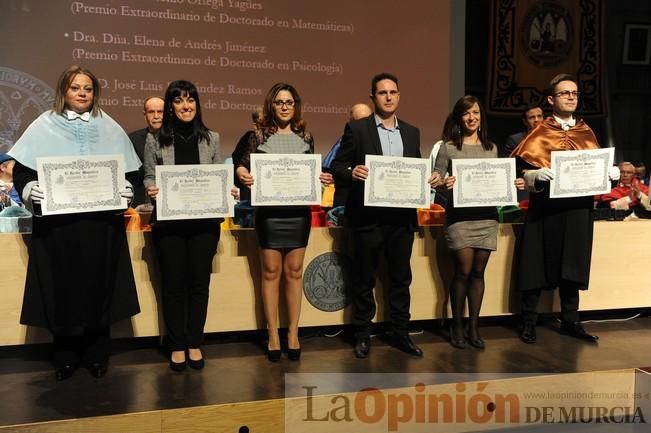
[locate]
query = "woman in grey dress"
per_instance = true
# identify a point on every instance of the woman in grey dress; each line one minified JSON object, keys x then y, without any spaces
{"x":283,"y":231}
{"x":471,"y":233}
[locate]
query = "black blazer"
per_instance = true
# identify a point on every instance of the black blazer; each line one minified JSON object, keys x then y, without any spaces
{"x":360,"y":139}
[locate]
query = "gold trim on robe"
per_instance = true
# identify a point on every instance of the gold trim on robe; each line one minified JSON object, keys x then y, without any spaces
{"x":536,"y":148}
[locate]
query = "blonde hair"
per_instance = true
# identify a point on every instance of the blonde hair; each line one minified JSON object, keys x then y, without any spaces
{"x":63,"y":84}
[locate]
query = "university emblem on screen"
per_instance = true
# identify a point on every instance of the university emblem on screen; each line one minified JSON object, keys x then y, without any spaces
{"x":22,"y":99}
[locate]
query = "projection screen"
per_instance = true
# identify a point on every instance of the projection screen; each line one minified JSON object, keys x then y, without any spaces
{"x":234,"y":51}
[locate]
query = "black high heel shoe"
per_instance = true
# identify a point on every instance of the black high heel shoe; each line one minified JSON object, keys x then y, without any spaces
{"x":474,"y":339}
{"x":195,"y":364}
{"x":456,"y":337}
{"x":477,"y":343}
{"x":294,"y":354}
{"x":178,"y":366}
{"x":273,"y":355}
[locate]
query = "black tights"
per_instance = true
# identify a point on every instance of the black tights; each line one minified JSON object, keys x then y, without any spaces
{"x":468,"y":282}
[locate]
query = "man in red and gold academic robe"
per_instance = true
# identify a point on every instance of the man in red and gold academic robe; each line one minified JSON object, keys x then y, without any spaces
{"x":555,"y":245}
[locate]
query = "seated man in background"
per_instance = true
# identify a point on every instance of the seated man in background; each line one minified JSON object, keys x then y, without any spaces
{"x":642,"y":173}
{"x":10,"y":196}
{"x":153,"y":111}
{"x":342,"y":185}
{"x":532,"y":116}
{"x":626,"y":195}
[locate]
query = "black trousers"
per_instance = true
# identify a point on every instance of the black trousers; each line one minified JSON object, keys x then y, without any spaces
{"x":396,"y":242}
{"x":185,"y":253}
{"x":569,"y":294}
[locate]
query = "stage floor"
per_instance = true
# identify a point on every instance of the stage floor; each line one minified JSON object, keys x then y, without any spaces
{"x":139,"y":379}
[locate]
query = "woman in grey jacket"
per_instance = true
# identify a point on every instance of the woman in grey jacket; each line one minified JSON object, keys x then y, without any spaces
{"x":185,"y":250}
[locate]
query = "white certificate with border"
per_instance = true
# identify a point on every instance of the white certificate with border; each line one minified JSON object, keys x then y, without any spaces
{"x":76,"y":184}
{"x":397,"y":182}
{"x":484,"y":182}
{"x":285,"y":179}
{"x":580,"y":172}
{"x":194,"y":191}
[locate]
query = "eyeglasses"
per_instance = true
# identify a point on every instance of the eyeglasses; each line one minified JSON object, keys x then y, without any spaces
{"x":288,"y":103}
{"x":566,"y":94}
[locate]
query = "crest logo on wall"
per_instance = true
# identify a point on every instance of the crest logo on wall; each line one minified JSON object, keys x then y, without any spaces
{"x":546,"y":34}
{"x":22,"y":99}
{"x":326,"y":282}
{"x":534,"y":40}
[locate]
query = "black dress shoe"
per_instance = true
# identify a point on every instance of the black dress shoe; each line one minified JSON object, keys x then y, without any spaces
{"x":528,"y":334}
{"x":98,"y":369}
{"x":576,"y":330}
{"x":294,"y":354}
{"x":456,"y":337}
{"x":404,"y":343}
{"x":64,"y":372}
{"x":362,"y":347}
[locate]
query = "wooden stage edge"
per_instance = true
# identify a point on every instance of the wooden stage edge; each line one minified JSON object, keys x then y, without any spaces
{"x":496,"y":403}
{"x":235,"y":301}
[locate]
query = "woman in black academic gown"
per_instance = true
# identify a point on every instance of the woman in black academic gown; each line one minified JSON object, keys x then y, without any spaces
{"x":79,"y":276}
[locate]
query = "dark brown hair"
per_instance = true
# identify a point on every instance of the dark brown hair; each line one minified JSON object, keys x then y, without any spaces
{"x":551,"y":89}
{"x":453,"y":128}
{"x":380,"y":77}
{"x":267,"y":122}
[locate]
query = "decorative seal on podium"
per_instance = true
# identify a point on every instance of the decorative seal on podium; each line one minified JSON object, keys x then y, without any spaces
{"x":326,"y":281}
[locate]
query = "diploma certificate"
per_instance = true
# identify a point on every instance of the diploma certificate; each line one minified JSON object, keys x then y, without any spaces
{"x":484,"y":182}
{"x":397,"y":182}
{"x":194,"y":191}
{"x":580,"y":172}
{"x":285,"y":179}
{"x":76,"y":184}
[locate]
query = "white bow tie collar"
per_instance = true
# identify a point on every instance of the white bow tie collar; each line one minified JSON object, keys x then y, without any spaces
{"x":72,"y":115}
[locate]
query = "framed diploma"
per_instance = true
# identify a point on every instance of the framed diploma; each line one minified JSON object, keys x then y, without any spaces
{"x":484,"y":182}
{"x":580,"y":172}
{"x":397,"y":182}
{"x":285,"y":180}
{"x":76,"y":184}
{"x":194,"y":191}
